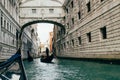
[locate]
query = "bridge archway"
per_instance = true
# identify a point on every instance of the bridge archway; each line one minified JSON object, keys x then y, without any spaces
{"x":39,"y":21}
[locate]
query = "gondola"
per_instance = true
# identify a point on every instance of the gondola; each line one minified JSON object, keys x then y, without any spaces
{"x":13,"y":66}
{"x":47,"y":59}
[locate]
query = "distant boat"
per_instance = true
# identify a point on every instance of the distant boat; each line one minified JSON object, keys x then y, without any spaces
{"x":47,"y":59}
{"x":13,"y":66}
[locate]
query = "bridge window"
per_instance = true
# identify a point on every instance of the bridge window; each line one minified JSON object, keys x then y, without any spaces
{"x":33,"y":10}
{"x":51,"y":10}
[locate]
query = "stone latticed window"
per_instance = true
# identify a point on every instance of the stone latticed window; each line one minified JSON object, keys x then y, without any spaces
{"x":51,"y":10}
{"x":33,"y":10}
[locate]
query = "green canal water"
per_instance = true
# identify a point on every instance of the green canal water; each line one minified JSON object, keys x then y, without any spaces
{"x":62,"y":69}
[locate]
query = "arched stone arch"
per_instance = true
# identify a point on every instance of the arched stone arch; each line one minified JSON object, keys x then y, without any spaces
{"x":39,"y":21}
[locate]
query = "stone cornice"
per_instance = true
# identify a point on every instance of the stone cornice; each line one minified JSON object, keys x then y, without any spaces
{"x":40,"y":6}
{"x":41,"y":18}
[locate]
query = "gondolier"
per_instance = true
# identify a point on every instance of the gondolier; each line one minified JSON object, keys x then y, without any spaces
{"x":47,"y":52}
{"x":47,"y":58}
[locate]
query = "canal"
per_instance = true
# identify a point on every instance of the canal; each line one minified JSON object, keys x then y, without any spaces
{"x":62,"y":69}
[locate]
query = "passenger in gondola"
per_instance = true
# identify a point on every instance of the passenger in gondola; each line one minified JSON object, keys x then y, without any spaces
{"x":47,"y":51}
{"x":29,"y":56}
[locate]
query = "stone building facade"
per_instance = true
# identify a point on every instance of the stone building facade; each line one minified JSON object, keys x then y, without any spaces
{"x":29,"y":41}
{"x":34,"y":36}
{"x":50,"y":41}
{"x":9,"y":27}
{"x":92,"y":29}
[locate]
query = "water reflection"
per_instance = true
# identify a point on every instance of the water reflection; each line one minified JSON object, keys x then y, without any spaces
{"x":71,"y":70}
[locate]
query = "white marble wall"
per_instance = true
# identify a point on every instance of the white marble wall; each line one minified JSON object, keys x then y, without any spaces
{"x":8,"y":26}
{"x":105,"y":13}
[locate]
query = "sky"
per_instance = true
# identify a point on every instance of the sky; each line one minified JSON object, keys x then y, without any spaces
{"x":43,"y":30}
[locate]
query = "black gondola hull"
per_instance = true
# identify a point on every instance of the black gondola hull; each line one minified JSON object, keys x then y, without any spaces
{"x":47,"y":59}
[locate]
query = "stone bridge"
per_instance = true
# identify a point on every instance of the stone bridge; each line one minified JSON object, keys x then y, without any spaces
{"x":38,"y":11}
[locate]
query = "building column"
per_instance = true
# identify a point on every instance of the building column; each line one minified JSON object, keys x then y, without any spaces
{"x":0,"y":34}
{"x":0,"y":27}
